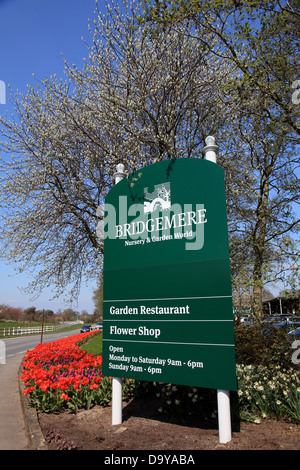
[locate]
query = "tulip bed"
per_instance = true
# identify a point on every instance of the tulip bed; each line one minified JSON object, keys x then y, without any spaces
{"x":59,"y":375}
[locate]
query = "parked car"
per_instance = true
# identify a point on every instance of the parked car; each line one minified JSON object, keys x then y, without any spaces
{"x":247,"y":320}
{"x":85,"y":328}
{"x":99,"y":325}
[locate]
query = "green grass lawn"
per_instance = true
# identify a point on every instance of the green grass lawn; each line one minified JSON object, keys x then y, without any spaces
{"x":93,"y":345}
{"x":16,"y":324}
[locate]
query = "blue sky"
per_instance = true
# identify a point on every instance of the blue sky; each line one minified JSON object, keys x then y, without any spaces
{"x":33,"y":35}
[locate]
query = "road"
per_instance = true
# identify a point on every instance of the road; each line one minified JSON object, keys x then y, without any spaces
{"x":13,"y":434}
{"x":22,"y":344}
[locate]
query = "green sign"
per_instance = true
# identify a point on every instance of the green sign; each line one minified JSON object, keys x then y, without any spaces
{"x":167,"y":288}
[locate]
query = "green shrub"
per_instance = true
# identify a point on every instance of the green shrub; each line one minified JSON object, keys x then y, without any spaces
{"x":260,"y":344}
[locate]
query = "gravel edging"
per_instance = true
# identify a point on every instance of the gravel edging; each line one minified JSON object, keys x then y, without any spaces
{"x":33,"y":429}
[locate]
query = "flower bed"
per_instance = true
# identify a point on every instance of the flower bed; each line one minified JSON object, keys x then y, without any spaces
{"x":263,"y":392}
{"x":59,"y":375}
{"x":269,"y":391}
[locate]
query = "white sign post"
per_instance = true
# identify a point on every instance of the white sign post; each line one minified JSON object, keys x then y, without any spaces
{"x":117,"y":392}
{"x":224,"y":417}
{"x":223,"y":397}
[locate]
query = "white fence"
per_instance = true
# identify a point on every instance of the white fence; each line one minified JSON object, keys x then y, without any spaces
{"x":32,"y":330}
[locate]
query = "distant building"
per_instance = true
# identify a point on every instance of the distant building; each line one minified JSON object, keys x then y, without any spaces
{"x":282,"y":305}
{"x":2,"y":92}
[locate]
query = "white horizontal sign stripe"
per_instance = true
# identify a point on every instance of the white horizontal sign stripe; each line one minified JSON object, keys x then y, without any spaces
{"x":170,"y":298}
{"x":166,"y":342}
{"x":154,"y":319}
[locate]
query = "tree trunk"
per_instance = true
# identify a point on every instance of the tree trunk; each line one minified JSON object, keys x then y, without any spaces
{"x":259,"y":239}
{"x":257,"y":289}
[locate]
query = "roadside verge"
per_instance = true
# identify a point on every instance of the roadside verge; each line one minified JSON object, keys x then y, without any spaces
{"x":34,"y":432}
